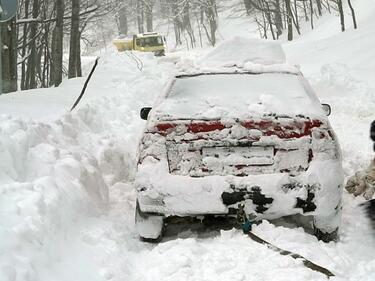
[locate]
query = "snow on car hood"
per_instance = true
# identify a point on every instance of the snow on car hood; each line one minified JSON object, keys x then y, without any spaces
{"x":241,"y":95}
{"x":246,"y":50}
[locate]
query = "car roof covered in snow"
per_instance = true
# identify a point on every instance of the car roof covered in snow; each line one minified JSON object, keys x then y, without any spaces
{"x":237,"y":95}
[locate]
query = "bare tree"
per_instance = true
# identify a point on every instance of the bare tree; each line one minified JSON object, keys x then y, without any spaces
{"x":57,"y":45}
{"x":123,"y":20}
{"x":209,"y":15}
{"x":149,"y":6}
{"x":353,"y":14}
{"x":9,"y":56}
{"x":341,"y":14}
{"x":289,"y":19}
{"x":74,"y":52}
{"x":140,"y":16}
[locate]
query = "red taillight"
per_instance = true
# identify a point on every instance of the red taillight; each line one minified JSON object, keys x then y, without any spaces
{"x":192,"y":127}
{"x":282,"y":128}
{"x":164,"y":128}
{"x":283,"y":131}
{"x":203,"y":127}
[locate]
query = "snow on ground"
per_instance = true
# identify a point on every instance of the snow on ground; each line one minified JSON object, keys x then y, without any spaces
{"x":56,"y":166}
{"x":66,"y":197}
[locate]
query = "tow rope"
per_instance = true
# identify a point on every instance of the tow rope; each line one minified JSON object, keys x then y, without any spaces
{"x":246,"y":225}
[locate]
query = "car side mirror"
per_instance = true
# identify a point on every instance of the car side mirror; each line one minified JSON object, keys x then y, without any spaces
{"x":327,"y":109}
{"x":144,"y":112}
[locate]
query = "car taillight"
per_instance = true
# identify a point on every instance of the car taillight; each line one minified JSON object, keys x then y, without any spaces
{"x":263,"y":145}
{"x":283,"y":130}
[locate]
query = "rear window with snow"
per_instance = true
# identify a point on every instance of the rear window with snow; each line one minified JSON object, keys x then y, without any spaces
{"x":238,"y":95}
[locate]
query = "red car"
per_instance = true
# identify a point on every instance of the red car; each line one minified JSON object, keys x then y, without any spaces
{"x":218,"y":139}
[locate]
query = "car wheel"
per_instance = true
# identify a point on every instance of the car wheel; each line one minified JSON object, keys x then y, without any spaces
{"x":327,"y":228}
{"x":326,"y":236}
{"x":149,"y":226}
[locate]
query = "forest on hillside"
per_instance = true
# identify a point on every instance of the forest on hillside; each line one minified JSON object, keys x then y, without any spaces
{"x":36,"y":40}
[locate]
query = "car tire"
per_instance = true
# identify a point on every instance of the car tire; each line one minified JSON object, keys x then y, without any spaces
{"x":150,"y":227}
{"x":326,"y":236}
{"x":326,"y":228}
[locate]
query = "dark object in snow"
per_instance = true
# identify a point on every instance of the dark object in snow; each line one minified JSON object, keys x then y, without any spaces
{"x":85,"y":85}
{"x":144,"y":112}
{"x":372,"y":132}
{"x":246,"y":224}
{"x":308,"y":204}
{"x":259,"y":199}
{"x":370,"y":211}
{"x":306,"y":262}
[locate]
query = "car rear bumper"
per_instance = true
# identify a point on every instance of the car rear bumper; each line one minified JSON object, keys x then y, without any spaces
{"x":316,"y":191}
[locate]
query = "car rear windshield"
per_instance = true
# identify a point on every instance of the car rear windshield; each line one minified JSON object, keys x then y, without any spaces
{"x":241,"y":94}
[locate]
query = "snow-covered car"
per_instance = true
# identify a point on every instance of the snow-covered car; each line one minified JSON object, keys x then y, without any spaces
{"x":217,"y":139}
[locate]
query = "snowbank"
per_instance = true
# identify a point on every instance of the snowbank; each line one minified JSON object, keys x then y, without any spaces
{"x":240,"y":50}
{"x":56,"y":167}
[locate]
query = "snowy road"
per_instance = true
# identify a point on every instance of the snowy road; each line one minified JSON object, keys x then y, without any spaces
{"x":229,"y":255}
{"x":67,"y":202}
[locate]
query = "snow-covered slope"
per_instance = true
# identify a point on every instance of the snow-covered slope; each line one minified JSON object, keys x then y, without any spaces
{"x":66,"y":199}
{"x":56,"y":166}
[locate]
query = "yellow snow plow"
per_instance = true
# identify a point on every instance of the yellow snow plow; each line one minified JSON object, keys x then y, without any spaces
{"x":146,"y":42}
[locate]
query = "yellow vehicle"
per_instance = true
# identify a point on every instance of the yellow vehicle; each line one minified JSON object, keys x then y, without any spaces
{"x":146,"y":42}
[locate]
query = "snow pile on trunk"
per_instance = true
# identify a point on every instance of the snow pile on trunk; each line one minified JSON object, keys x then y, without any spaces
{"x":240,"y":50}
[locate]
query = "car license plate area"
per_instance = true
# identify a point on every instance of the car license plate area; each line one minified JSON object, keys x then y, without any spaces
{"x":237,"y":156}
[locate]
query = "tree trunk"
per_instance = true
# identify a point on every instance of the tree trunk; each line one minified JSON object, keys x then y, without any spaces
{"x":319,"y":5}
{"x":57,"y":45}
{"x":210,"y":11}
{"x":269,"y":19}
{"x":289,"y":19}
{"x":140,"y":16}
{"x":149,"y":20}
{"x":296,"y":21}
{"x":78,"y":58}
{"x":305,"y":10}
{"x":9,"y":56}
{"x":186,"y":23}
{"x":31,"y":82}
{"x":24,"y":46}
{"x":353,"y":14}
{"x":123,"y":21}
{"x":278,"y":18}
{"x":74,"y":38}
{"x":248,"y":6}
{"x":176,"y":21}
{"x":311,"y":14}
{"x":341,"y":13}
